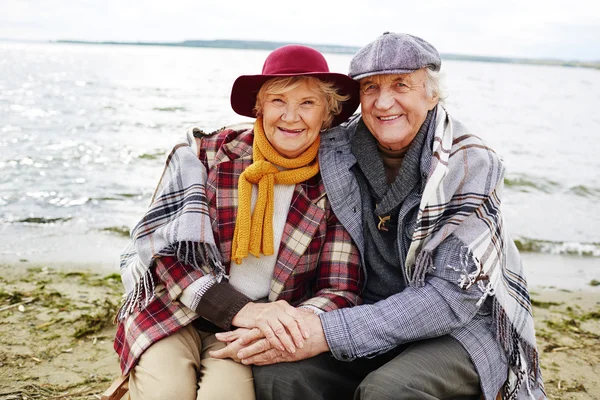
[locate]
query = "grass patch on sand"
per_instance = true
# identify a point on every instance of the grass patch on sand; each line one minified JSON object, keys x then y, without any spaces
{"x":56,"y":335}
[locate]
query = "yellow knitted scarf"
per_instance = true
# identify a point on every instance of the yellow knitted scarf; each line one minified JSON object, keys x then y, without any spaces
{"x":255,"y":234}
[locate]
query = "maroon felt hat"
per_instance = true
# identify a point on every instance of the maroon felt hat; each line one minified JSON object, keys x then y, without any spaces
{"x":293,"y":60}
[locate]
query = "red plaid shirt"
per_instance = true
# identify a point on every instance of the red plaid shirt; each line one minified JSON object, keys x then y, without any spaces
{"x":317,"y":263}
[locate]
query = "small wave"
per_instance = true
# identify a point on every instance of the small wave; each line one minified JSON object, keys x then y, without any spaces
{"x":556,"y":247}
{"x":152,"y":156}
{"x":43,"y":220}
{"x":170,"y":109}
{"x":118,"y":230}
{"x":584,"y":191}
{"x":525,"y":184}
{"x":117,"y":197}
{"x":11,"y":128}
{"x":105,"y":198}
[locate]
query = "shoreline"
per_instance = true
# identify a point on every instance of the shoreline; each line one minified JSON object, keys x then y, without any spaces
{"x":98,"y":251}
{"x":56,"y":334}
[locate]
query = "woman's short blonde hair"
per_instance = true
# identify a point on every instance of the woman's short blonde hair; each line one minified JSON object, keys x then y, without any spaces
{"x":333,"y":100}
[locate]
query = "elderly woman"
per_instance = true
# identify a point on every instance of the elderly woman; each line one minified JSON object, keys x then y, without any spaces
{"x":254,"y":197}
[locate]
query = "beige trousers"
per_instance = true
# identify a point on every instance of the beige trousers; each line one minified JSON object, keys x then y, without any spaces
{"x":178,"y":367}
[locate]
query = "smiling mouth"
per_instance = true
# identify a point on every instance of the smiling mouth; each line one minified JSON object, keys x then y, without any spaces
{"x":290,"y":130}
{"x":390,"y":118}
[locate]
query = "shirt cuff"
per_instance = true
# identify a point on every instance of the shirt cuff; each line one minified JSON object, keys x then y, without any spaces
{"x":192,"y":294}
{"x":314,"y":309}
{"x":337,"y":335}
{"x":221,"y":303}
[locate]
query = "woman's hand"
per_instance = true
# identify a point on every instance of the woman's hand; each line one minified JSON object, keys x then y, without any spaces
{"x":234,"y":342}
{"x":249,"y":345}
{"x":280,"y":323}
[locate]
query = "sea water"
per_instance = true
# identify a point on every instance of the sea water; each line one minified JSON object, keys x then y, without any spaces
{"x":84,"y":130}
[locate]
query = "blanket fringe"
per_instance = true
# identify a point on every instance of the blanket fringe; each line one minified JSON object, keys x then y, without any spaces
{"x":518,"y":352}
{"x":423,"y":265}
{"x":140,"y":297}
{"x":203,"y":256}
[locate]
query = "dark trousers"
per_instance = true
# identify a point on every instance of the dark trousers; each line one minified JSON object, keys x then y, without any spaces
{"x":437,"y":368}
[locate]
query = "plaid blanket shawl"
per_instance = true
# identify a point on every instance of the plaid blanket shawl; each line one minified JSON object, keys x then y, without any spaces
{"x":317,"y":265}
{"x":176,"y":224}
{"x":466,"y":203}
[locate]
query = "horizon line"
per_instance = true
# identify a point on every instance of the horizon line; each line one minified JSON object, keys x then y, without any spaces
{"x":326,"y":48}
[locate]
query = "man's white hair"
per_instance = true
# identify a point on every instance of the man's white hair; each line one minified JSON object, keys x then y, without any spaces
{"x":434,"y":85}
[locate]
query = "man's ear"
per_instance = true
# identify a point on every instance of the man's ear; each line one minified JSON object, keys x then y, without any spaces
{"x":433,"y":101}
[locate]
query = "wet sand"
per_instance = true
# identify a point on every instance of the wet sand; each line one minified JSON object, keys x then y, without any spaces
{"x":56,"y":332}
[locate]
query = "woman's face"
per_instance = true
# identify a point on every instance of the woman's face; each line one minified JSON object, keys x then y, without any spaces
{"x":293,"y":119}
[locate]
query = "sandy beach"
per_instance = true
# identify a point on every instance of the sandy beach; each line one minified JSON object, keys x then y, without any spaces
{"x":56,"y":334}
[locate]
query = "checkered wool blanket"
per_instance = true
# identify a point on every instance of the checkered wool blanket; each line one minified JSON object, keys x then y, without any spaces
{"x":176,"y":224}
{"x":466,"y":203}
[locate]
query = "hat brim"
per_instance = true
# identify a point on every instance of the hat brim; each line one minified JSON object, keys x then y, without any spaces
{"x":390,"y":71}
{"x":246,"y":88}
{"x":383,"y":72}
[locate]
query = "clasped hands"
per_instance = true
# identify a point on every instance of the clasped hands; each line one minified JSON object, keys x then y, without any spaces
{"x":272,"y":332}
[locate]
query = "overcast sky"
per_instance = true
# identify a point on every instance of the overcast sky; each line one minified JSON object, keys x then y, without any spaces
{"x":535,"y":29}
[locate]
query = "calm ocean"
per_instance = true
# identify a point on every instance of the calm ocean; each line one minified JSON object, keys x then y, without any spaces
{"x":84,"y":130}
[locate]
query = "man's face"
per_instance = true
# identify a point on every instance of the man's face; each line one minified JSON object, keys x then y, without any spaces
{"x":394,"y":106}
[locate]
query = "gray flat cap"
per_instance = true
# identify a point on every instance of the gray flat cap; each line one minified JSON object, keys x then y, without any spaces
{"x":394,"y":53}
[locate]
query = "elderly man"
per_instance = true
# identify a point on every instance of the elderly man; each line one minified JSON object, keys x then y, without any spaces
{"x":447,"y":312}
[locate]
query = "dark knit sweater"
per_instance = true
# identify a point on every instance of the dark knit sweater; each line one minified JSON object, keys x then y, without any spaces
{"x":384,"y":259}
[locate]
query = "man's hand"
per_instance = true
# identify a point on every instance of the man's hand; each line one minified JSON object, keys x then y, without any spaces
{"x":280,"y":323}
{"x":259,"y":351}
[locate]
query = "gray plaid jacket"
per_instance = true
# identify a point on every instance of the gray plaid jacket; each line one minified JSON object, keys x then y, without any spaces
{"x":438,"y":308}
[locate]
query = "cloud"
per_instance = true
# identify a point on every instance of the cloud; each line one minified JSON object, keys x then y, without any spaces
{"x":508,"y":28}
